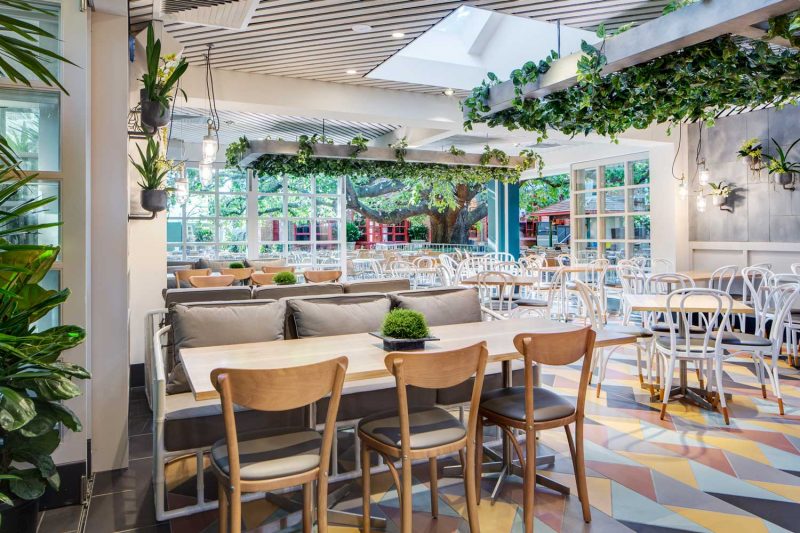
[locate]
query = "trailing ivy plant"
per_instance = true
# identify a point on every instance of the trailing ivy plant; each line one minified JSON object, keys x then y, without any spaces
{"x":675,"y":5}
{"x":359,"y":144}
{"x":456,"y":151}
{"x":400,"y":150}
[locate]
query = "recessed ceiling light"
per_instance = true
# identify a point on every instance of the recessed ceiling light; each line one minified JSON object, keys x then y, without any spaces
{"x":351,"y":71}
{"x":449,"y":92}
{"x":398,"y":35}
{"x":362,"y":28}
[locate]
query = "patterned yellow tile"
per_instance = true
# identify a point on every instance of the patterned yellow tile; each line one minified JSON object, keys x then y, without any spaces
{"x":742,"y":447}
{"x":787,"y":491}
{"x":721,"y":522}
{"x":674,"y":467}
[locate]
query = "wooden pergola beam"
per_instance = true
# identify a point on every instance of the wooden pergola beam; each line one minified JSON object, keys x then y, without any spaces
{"x":333,"y":151}
{"x":685,"y":27}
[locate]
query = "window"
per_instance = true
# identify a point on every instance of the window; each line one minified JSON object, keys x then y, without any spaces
{"x":29,"y":120}
{"x":48,"y":21}
{"x":611,"y":208}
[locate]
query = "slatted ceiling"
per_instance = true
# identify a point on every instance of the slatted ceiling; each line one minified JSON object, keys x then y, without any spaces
{"x":173,"y":6}
{"x":260,"y":126}
{"x":313,"y":39}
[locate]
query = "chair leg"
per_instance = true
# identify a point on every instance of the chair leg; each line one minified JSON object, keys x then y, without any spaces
{"x":406,"y":511}
{"x":235,"y":502}
{"x":775,"y":380}
{"x":720,"y":390}
{"x":529,"y":482}
{"x":667,"y":386}
{"x":433,"y":470}
{"x":223,"y":507}
{"x":308,"y":506}
{"x":365,"y":488}
{"x":639,"y":363}
{"x":580,"y":472}
{"x":322,"y":504}
{"x":470,"y":487}
{"x":572,"y":452}
{"x":478,"y":459}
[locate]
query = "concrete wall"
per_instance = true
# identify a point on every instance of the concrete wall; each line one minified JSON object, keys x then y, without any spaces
{"x":765,"y":223}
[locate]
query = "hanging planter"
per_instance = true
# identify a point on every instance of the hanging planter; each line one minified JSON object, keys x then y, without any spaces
{"x":782,"y":170}
{"x":153,"y":169}
{"x":154,"y":201}
{"x":160,"y":84}
{"x":751,"y":154}
{"x":154,"y":114}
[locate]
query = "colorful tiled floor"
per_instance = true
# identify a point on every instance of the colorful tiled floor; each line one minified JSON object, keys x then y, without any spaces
{"x":690,"y":472}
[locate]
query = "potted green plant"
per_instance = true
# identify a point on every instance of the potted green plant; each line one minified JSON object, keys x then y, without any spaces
{"x":160,"y":81}
{"x":719,"y":193}
{"x":404,"y":330}
{"x":153,"y":168}
{"x":284,"y":278}
{"x":780,"y":166}
{"x":751,"y":152}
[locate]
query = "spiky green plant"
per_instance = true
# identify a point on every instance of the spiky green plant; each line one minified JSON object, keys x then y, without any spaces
{"x":151,"y":166}
{"x":163,"y":73}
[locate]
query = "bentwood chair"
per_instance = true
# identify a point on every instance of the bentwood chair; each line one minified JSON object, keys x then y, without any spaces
{"x":276,"y":269}
{"x":322,"y":276}
{"x":239,"y":274}
{"x":262,"y":278}
{"x":722,"y":278}
{"x":275,"y":458}
{"x":531,"y":409}
{"x":211,"y":281}
{"x":182,"y":276}
{"x":408,"y":433}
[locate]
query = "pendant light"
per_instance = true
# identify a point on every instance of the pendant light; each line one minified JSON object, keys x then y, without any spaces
{"x":206,"y":173}
{"x":705,"y":175}
{"x":683,"y":188}
{"x":701,"y":203}
{"x":181,"y":186}
{"x":210,"y":145}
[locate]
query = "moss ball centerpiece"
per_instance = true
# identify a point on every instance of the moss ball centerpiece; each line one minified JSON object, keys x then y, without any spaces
{"x":404,"y":330}
{"x":284,"y":278}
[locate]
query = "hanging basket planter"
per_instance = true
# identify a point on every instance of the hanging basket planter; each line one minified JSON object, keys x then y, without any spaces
{"x":154,"y":201}
{"x":154,"y":114}
{"x":784,"y":178}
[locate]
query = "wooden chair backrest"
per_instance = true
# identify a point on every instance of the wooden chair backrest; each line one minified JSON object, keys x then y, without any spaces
{"x":262,"y":278}
{"x":322,"y":276}
{"x":238,"y":273}
{"x":184,"y":275}
{"x":276,"y":269}
{"x":211,"y":281}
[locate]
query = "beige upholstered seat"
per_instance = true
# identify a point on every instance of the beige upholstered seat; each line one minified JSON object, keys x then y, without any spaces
{"x":429,"y":427}
{"x":272,"y":454}
{"x":510,"y":403}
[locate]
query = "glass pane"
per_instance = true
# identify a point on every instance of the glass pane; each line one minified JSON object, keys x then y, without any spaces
{"x":614,"y":175}
{"x":200,"y":231}
{"x":586,"y":203}
{"x":29,"y":120}
{"x":47,"y":21}
{"x":232,"y":180}
{"x":641,"y":227}
{"x":270,"y":184}
{"x":299,"y":254}
{"x":613,"y":251}
{"x":327,"y":230}
{"x":233,"y":230}
{"x":270,"y":251}
{"x":174,"y":230}
{"x":586,"y":179}
{"x":328,"y":255}
{"x":299,"y":184}
{"x":585,"y":251}
{"x":232,"y":251}
{"x":51,"y":282}
{"x":48,"y":214}
{"x":614,"y":201}
{"x":201,"y":205}
{"x":327,"y":207}
{"x":327,"y":185}
{"x":174,"y":251}
{"x":639,"y":199}
{"x":198,"y":185}
{"x":586,"y":228}
{"x":207,"y":251}
{"x":299,"y":206}
{"x":299,"y":230}
{"x":270,"y":206}
{"x":641,"y":249}
{"x":615,"y":228}
{"x":640,"y":172}
{"x":269,"y":230}
{"x":232,"y":205}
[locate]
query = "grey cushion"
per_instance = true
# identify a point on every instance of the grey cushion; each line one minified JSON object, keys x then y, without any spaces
{"x":696,"y":343}
{"x":276,"y":292}
{"x":339,"y":315}
{"x":429,"y":427}
{"x":358,"y":404}
{"x":663,"y":327}
{"x":378,"y":285}
{"x":530,"y":302}
{"x":441,"y":307}
{"x":746,"y":339}
{"x":462,"y":393}
{"x":510,"y":403}
{"x":210,"y":294}
{"x":272,"y":454}
{"x":634,"y":331}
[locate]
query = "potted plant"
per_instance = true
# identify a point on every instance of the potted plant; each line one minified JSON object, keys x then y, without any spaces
{"x":160,"y":81}
{"x":284,"y":278}
{"x":153,"y":168}
{"x":33,"y":379}
{"x":404,"y":330}
{"x":780,"y":166}
{"x":236,"y":265}
{"x":751,"y":152}
{"x":719,"y":193}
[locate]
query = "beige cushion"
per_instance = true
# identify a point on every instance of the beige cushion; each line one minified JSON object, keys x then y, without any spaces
{"x":272,"y":454}
{"x":206,"y":294}
{"x":218,"y":265}
{"x":276,"y":292}
{"x":378,"y":285}
{"x":429,"y":427}
{"x":510,"y":403}
{"x":335,"y":316}
{"x":259,"y":264}
{"x":442,"y":307}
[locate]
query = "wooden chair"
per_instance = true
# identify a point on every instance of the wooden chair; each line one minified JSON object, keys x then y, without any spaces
{"x":239,"y":274}
{"x":262,"y":278}
{"x":275,"y":458}
{"x":322,"y":276}
{"x":532,"y":409}
{"x":182,"y":276}
{"x":276,"y":269}
{"x":407,"y":433}
{"x":211,"y":281}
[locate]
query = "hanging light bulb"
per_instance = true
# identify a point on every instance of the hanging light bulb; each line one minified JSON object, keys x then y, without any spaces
{"x":701,"y":203}
{"x":210,"y":144}
{"x":683,"y":189}
{"x":206,"y":173}
{"x":182,"y":187}
{"x":705,"y":175}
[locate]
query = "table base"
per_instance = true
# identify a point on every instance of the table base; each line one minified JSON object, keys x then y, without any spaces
{"x":684,"y":393}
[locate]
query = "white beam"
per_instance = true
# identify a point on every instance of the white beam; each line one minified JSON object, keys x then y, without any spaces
{"x":414,"y":136}
{"x":688,"y":26}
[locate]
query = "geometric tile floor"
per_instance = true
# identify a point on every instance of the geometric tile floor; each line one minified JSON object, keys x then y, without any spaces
{"x":690,"y":472}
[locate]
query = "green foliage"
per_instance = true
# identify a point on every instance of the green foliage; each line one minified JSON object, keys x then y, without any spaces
{"x":400,"y":149}
{"x":456,"y":151}
{"x":675,"y":5}
{"x":284,"y":278}
{"x":151,"y":166}
{"x":418,"y":232}
{"x":236,"y":265}
{"x":163,"y":73}
{"x":236,"y":151}
{"x":786,"y":26}
{"x":405,"y":324}
{"x":495,"y":155}
{"x":751,"y":148}
{"x":359,"y":144}
{"x":306,"y":149}
{"x":720,"y":189}
{"x":779,"y":163}
{"x":538,"y":193}
{"x":354,"y":232}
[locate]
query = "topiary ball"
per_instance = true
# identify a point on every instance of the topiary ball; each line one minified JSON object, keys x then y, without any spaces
{"x":405,"y":324}
{"x":284,"y":278}
{"x":236,"y":265}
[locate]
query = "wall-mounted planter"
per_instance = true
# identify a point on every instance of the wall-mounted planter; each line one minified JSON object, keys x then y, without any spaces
{"x":154,"y":115}
{"x":154,"y":201}
{"x":784,"y":179}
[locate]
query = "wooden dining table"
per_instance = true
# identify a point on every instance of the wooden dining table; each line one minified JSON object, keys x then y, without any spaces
{"x":366,"y":361}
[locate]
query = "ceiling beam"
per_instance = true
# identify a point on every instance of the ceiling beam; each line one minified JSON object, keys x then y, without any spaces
{"x":333,"y":151}
{"x":688,"y":26}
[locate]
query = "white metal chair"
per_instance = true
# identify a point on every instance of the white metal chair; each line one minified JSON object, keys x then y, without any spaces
{"x":722,"y":278}
{"x":404,"y":269}
{"x":633,"y":281}
{"x":563,"y":259}
{"x":795,"y":268}
{"x":660,"y":266}
{"x":496,"y":291}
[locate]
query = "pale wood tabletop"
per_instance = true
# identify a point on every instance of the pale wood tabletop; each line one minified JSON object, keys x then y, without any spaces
{"x":518,"y":280}
{"x":365,"y":351}
{"x":693,"y":304}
